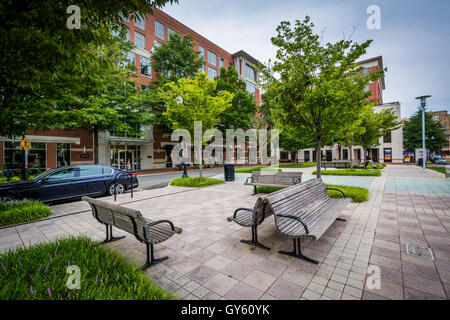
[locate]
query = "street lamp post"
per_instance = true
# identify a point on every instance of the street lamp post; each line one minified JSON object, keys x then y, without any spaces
{"x":185,"y":174}
{"x":423,"y":104}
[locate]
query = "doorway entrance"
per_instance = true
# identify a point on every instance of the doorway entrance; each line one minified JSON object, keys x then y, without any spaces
{"x":125,"y":157}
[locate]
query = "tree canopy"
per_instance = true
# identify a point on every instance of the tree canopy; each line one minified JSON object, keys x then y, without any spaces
{"x":434,"y":133}
{"x":39,"y":50}
{"x":317,"y":83}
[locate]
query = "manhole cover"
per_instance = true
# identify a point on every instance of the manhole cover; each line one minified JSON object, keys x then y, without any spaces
{"x":418,"y":251}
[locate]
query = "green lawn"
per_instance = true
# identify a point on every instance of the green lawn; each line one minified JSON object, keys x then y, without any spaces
{"x":356,"y":193}
{"x":350,"y":172}
{"x":299,"y":165}
{"x":438,"y":169}
{"x":259,"y":168}
{"x":40,"y":272}
{"x":22,"y":211}
{"x":195,"y":182}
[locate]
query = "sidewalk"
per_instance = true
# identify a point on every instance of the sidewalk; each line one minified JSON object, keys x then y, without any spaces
{"x":208,"y":261}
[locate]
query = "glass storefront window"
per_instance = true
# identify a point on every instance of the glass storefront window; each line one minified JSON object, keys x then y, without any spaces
{"x":63,"y":154}
{"x":37,"y":156}
{"x":125,"y":157}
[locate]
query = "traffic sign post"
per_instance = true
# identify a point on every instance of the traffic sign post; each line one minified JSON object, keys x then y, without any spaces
{"x":25,"y":144}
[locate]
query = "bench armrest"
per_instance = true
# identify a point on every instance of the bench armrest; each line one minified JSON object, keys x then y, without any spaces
{"x":162,"y":221}
{"x":246,"y":180}
{"x":297,"y":180}
{"x":337,"y":190}
{"x":295,"y":218}
{"x":237,"y":210}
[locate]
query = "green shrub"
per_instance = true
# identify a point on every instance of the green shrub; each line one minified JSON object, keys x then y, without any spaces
{"x":40,"y":272}
{"x":195,"y":182}
{"x":3,"y":179}
{"x":14,"y":179}
{"x":299,"y":165}
{"x":356,"y":193}
{"x":259,"y":168}
{"x":438,"y":169}
{"x":22,"y":211}
{"x":350,"y":172}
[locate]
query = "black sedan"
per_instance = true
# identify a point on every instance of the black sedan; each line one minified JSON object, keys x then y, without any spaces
{"x":70,"y":182}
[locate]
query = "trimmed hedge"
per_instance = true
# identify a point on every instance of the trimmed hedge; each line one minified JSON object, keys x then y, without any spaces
{"x":259,"y":168}
{"x":195,"y":182}
{"x":438,"y":169}
{"x":350,"y":172}
{"x":299,"y":165}
{"x":16,"y":212}
{"x":39,"y":272}
{"x":356,"y":193}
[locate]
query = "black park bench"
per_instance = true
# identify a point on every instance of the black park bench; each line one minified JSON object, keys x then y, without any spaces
{"x":150,"y":232}
{"x":301,"y":211}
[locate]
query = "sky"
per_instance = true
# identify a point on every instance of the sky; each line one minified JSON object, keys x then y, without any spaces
{"x":414,"y":36}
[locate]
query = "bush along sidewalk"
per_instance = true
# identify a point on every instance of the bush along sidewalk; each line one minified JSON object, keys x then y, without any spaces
{"x":356,"y":193}
{"x":350,"y":172}
{"x":21,"y":211}
{"x":41,"y":272}
{"x":259,"y":168}
{"x":195,"y":182}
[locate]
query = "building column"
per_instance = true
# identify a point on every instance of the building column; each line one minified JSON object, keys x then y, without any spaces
{"x":51,"y":155}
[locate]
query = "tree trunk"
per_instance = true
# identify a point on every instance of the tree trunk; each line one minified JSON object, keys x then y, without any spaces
{"x":296,"y":157}
{"x":318,"y":157}
{"x":350,"y":150}
{"x":95,"y":144}
{"x":365,"y":157}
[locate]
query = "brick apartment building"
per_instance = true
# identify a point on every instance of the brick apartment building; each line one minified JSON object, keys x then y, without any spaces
{"x":391,"y":145}
{"x":57,"y":148}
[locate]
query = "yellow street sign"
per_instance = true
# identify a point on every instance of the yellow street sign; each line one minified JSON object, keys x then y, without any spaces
{"x":25,"y":144}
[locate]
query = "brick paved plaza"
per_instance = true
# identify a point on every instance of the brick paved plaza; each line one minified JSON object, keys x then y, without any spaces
{"x":208,"y":261}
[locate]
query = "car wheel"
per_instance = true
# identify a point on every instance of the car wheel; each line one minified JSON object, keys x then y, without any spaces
{"x":6,"y":199}
{"x":119,"y":189}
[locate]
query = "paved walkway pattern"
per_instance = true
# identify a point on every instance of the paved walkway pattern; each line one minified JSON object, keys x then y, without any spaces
{"x":208,"y":261}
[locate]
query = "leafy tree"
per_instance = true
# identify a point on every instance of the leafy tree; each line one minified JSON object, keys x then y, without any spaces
{"x":434,"y":133}
{"x":243,"y":106}
{"x":292,"y":139}
{"x":199,"y":102}
{"x":318,"y":83}
{"x":376,"y":125}
{"x":176,"y":59}
{"x":36,"y":45}
{"x":106,"y":98}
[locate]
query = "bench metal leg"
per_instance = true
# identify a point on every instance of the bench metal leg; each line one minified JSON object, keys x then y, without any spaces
{"x":151,"y":258}
{"x":341,"y":219}
{"x":297,"y":253}
{"x":254,"y":190}
{"x":254,"y":241}
{"x":109,"y":236}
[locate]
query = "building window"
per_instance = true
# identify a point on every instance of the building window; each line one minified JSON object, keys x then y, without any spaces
{"x":202,"y":52}
{"x":251,"y":88}
{"x":145,"y":88}
{"x":367,"y":88}
{"x":159,"y":30}
{"x":139,"y":40}
{"x":366,"y":72}
{"x":171,"y":31}
{"x":250,"y":72}
{"x":139,"y":23}
{"x":345,"y":154}
{"x":435,"y":118}
{"x":37,"y":156}
{"x":387,"y":138}
{"x":212,"y":73}
{"x":131,"y":58}
{"x":221,"y":62}
{"x":156,"y":44}
{"x":146,"y":69}
{"x":212,"y":58}
{"x":62,"y":154}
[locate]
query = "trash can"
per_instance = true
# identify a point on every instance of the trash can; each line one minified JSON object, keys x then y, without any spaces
{"x":229,"y":172}
{"x":420,"y":162}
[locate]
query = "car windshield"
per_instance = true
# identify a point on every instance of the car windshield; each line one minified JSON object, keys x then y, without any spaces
{"x":43,"y":174}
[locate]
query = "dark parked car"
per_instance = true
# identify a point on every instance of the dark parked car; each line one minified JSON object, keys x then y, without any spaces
{"x":70,"y":182}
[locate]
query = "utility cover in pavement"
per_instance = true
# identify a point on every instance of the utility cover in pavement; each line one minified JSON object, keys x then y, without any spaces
{"x":418,"y":251}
